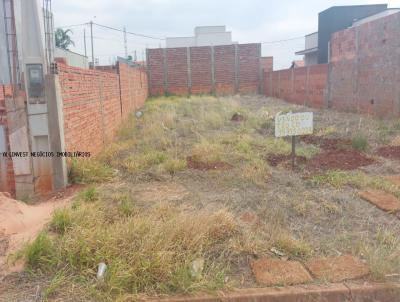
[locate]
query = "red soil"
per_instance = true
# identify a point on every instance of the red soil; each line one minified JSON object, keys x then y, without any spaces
{"x":276,"y":159}
{"x":204,"y":166}
{"x":392,"y":152}
{"x":338,"y":160}
{"x":327,"y":143}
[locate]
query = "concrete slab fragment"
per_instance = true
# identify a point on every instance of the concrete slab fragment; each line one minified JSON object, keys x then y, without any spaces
{"x":382,"y":200}
{"x":269,"y":271}
{"x":337,"y":269}
{"x":19,"y":143}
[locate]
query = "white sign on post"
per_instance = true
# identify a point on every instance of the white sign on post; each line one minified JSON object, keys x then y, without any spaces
{"x":292,"y":124}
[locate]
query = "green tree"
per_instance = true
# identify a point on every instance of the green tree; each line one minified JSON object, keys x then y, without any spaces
{"x":63,"y":39}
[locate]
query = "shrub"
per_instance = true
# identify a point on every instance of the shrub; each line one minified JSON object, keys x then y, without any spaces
{"x":359,"y":142}
{"x":89,"y":195}
{"x":61,"y":221}
{"x":174,"y":165}
{"x":89,"y":171}
{"x":40,"y":253}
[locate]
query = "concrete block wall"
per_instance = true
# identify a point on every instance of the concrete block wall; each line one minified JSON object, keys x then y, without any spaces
{"x":302,"y":86}
{"x":96,"y":102}
{"x":224,"y":69}
{"x":365,"y":68}
{"x":7,"y":179}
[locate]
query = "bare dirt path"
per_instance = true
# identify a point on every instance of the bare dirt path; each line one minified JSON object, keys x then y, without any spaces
{"x":21,"y":222}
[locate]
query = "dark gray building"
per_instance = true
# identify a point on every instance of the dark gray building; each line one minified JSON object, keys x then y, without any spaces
{"x":338,"y":18}
{"x":331,"y":20}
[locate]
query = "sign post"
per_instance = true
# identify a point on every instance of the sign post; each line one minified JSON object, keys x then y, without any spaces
{"x":293,"y":124}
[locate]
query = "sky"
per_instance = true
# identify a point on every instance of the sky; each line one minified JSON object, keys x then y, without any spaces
{"x":250,"y":21}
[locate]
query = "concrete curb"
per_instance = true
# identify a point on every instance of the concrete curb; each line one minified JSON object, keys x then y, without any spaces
{"x":338,"y":292}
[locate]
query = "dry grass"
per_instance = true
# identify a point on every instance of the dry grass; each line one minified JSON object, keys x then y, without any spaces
{"x":147,"y":251}
{"x":149,"y":239}
{"x":357,"y":179}
{"x":172,"y":129}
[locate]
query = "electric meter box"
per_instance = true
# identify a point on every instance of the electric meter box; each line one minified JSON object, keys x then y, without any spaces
{"x":35,"y":83}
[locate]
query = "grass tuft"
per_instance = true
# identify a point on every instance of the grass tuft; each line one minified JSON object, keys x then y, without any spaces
{"x":89,"y":171}
{"x":359,"y":142}
{"x":61,"y":221}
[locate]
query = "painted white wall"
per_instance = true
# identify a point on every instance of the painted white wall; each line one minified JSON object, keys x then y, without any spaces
{"x":209,"y":29}
{"x":311,"y":59}
{"x":72,"y":58}
{"x":207,"y":39}
{"x":180,"y":42}
{"x":311,"y":41}
{"x":204,"y":36}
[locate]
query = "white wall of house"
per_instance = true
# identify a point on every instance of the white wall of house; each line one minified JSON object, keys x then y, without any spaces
{"x":311,"y":41}
{"x":72,"y":58}
{"x":311,"y":58}
{"x":203,"y":36}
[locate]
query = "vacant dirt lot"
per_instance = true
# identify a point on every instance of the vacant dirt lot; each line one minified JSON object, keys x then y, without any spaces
{"x":203,"y":180}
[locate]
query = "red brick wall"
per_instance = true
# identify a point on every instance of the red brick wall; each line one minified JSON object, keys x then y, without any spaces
{"x":170,"y":67}
{"x":365,"y":62}
{"x":249,"y":67}
{"x":200,"y":62}
{"x":224,"y":58}
{"x":177,"y":70}
{"x":95,"y":103}
{"x":155,"y":63}
{"x":267,"y":64}
{"x":134,"y":88}
{"x":303,"y":85}
{"x":9,"y":183}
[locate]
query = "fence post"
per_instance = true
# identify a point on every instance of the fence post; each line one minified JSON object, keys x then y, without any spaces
{"x":165,"y":73}
{"x":189,"y":71}
{"x":307,"y":100}
{"x":279,"y":84}
{"x":148,"y":72}
{"x":213,"y":88}
{"x":260,"y":73}
{"x":236,"y":69}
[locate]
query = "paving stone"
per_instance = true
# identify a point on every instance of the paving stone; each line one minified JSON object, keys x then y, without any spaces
{"x":337,"y":269}
{"x":382,"y":200}
{"x":270,"y":271}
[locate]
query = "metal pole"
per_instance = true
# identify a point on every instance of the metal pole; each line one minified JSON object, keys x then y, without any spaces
{"x":125,"y":43}
{"x":91,"y":39}
{"x":84,"y":40}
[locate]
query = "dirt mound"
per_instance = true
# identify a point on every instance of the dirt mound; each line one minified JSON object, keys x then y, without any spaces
{"x":392,"y":152}
{"x":20,"y":222}
{"x":276,"y":159}
{"x":237,"y":117}
{"x":204,"y":166}
{"x":327,"y":143}
{"x":338,"y":160}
